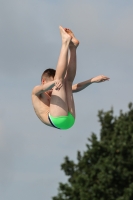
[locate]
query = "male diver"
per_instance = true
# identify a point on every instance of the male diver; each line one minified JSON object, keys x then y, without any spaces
{"x":53,"y":100}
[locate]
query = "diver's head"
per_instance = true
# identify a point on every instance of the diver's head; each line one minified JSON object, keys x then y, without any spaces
{"x":48,"y":75}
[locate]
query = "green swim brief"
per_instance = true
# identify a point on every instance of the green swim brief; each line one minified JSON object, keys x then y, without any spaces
{"x":62,"y":122}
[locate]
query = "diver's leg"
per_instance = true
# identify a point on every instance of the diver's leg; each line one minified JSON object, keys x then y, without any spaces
{"x":70,"y":75}
{"x":58,"y":102}
{"x":63,"y":57}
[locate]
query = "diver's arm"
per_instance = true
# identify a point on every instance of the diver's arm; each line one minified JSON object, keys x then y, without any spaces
{"x":80,"y":86}
{"x":37,"y":90}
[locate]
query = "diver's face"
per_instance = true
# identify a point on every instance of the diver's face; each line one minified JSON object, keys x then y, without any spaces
{"x":50,"y":79}
{"x":49,"y":92}
{"x":46,"y":80}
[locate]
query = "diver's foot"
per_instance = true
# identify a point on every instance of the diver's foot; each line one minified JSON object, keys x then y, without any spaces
{"x":73,"y":40}
{"x":66,"y":38}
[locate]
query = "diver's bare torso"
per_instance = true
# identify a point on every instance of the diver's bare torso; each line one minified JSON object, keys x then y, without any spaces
{"x":41,"y":106}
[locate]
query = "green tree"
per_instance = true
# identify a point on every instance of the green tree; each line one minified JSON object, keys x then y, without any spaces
{"x":105,"y":170}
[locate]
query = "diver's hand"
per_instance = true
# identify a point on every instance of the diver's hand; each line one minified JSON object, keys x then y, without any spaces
{"x":58,"y":84}
{"x":99,"y":79}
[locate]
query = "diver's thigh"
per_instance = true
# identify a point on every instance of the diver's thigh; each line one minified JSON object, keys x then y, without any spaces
{"x":58,"y":102}
{"x":70,"y":99}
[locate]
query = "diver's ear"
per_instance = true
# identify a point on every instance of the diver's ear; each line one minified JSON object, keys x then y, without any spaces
{"x":43,"y":81}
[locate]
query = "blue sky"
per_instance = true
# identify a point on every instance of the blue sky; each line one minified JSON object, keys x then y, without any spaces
{"x":30,"y":152}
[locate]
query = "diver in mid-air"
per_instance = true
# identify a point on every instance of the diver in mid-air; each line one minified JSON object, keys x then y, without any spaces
{"x":53,"y":100}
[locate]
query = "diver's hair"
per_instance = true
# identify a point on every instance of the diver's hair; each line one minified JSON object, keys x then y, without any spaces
{"x":48,"y":73}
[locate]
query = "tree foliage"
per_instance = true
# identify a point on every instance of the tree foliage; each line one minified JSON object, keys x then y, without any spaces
{"x":105,"y":170}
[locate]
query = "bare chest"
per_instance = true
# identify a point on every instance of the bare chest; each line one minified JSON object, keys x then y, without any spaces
{"x":41,"y":105}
